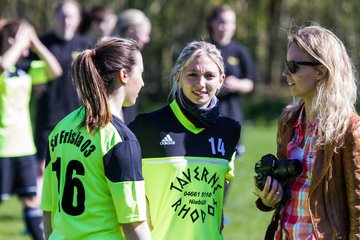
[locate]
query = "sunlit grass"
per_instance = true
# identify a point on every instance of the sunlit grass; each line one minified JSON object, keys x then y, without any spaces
{"x":12,"y":225}
{"x":245,"y":221}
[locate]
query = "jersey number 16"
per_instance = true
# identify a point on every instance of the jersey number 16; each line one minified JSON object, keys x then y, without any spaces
{"x":72,"y":185}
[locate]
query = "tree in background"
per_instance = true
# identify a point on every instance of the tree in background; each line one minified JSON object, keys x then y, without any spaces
{"x":262,"y":25}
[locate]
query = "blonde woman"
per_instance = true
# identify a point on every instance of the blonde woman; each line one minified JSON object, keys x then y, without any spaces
{"x":188,"y":150}
{"x":322,"y":129}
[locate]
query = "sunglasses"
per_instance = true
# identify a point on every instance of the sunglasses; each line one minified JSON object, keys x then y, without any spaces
{"x":293,"y":66}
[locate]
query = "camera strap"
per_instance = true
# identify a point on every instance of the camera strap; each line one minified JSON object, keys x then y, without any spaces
{"x":273,"y":226}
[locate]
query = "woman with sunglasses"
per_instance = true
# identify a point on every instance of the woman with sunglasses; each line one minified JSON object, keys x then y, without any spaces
{"x":322,"y":129}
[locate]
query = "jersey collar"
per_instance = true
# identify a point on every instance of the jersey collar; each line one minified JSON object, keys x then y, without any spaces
{"x":183,"y":119}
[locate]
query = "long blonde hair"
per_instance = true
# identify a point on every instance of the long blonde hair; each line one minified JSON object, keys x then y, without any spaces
{"x":336,"y":96}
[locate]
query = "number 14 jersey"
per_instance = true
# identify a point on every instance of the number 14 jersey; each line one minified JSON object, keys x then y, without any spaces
{"x":185,"y":168}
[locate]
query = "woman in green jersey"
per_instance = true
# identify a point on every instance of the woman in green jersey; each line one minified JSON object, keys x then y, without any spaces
{"x":93,"y":184}
{"x":18,"y":166}
{"x":188,"y":149}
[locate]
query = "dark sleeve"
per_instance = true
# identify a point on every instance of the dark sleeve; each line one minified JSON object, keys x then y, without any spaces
{"x":136,"y":125}
{"x":123,"y":162}
{"x":247,"y":64}
{"x":262,"y":207}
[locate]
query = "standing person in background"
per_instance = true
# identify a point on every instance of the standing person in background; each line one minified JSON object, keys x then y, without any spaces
{"x":18,"y":168}
{"x":240,"y":69}
{"x":93,"y":184}
{"x":60,"y":97}
{"x":188,"y":150}
{"x":322,"y":130}
{"x":134,"y":24}
{"x":97,"y":21}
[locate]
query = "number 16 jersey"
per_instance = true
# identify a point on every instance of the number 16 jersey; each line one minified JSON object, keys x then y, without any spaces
{"x":92,"y":182}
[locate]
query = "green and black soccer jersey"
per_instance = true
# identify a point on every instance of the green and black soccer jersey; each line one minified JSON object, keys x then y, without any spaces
{"x":185,"y":168}
{"x":92,"y":183}
{"x":16,"y":135}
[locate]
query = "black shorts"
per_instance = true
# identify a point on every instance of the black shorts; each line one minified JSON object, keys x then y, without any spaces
{"x":17,"y":176}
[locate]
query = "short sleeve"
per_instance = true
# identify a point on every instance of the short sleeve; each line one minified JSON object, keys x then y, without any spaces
{"x":123,"y":171}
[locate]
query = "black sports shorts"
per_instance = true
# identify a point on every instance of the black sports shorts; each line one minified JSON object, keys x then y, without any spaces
{"x":17,"y":176}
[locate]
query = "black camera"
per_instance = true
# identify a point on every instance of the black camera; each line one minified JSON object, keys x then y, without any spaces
{"x":269,"y":165}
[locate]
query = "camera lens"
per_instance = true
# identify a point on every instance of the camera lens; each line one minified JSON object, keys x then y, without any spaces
{"x":288,"y":168}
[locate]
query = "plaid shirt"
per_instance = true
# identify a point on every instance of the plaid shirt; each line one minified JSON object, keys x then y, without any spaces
{"x":295,"y":216}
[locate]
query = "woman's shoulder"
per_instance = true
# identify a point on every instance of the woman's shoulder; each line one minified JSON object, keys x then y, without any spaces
{"x":290,"y":113}
{"x":354,"y":123}
{"x":150,"y":118}
{"x":228,"y":122}
{"x":352,"y":135}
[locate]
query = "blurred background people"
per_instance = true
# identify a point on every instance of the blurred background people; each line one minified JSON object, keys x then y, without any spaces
{"x":97,"y":21}
{"x":134,"y":24}
{"x":240,"y":69}
{"x":60,"y":96}
{"x":18,"y":165}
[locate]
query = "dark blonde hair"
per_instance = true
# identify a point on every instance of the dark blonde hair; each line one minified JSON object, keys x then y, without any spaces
{"x":189,"y":53}
{"x":94,"y":72}
{"x":336,"y":95}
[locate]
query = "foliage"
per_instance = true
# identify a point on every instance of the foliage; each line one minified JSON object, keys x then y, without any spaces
{"x":262,"y":27}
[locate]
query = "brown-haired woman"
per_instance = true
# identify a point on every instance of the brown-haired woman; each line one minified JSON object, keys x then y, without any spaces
{"x":18,"y":166}
{"x":93,"y":185}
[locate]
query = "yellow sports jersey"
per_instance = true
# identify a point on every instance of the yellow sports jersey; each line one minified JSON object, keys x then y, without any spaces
{"x":92,"y":183}
{"x":185,"y":169}
{"x":16,"y":135}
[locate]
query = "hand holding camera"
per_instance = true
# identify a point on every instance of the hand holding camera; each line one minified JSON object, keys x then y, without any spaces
{"x":272,"y":193}
{"x":272,"y":176}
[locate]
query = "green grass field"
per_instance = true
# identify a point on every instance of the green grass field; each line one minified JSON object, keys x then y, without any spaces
{"x":245,"y":221}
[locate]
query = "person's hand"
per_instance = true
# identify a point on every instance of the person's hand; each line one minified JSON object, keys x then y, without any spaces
{"x":231,"y":83}
{"x":272,"y":193}
{"x":34,"y":40}
{"x":23,"y":36}
{"x":234,"y":84}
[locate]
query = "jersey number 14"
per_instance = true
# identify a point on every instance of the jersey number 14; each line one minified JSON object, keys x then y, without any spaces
{"x":217,"y":146}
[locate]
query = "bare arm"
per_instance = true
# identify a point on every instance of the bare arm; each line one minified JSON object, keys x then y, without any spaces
{"x":227,"y":184}
{"x":234,"y":84}
{"x":148,"y":215}
{"x":137,"y":231}
{"x":17,"y":46}
{"x":53,"y":68}
{"x":47,"y":224}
